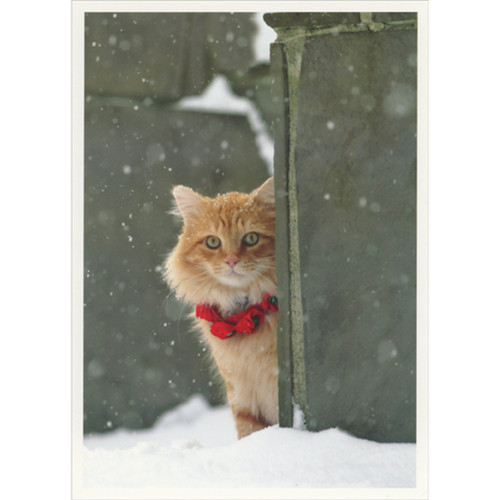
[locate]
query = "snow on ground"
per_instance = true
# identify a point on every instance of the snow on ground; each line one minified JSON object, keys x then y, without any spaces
{"x":195,"y":446}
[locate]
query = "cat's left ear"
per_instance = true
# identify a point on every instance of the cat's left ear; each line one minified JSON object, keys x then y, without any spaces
{"x":265,"y":192}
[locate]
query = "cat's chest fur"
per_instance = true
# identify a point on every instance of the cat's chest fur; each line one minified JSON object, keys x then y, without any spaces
{"x":229,"y":304}
{"x":235,"y":306}
{"x":248,"y":363}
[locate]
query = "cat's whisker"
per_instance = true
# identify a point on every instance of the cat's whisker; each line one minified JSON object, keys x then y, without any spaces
{"x":204,"y":272}
{"x":265,"y":278}
{"x":264,"y":266}
{"x":181,"y":316}
{"x":173,"y":291}
{"x":195,"y":292}
{"x":202,"y":285}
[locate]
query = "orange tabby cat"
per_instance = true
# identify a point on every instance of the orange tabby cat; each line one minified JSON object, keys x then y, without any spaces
{"x":224,"y":264}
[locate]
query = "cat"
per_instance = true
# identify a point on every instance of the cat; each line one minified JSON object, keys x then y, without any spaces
{"x":224,"y":264}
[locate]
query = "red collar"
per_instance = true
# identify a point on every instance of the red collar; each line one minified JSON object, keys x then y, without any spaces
{"x":244,"y":322}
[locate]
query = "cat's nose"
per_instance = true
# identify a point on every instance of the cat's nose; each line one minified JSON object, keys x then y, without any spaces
{"x":231,"y":260}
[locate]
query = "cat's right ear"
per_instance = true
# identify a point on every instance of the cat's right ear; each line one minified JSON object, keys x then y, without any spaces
{"x":188,"y":202}
{"x":265,"y":192}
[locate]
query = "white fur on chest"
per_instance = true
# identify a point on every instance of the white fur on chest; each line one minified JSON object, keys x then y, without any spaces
{"x":250,"y":364}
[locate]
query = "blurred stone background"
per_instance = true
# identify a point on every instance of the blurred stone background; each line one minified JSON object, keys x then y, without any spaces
{"x":170,"y":98}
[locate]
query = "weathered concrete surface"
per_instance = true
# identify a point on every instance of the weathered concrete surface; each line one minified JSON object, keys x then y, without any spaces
{"x":163,"y":56}
{"x":255,"y":84}
{"x":290,"y":20}
{"x":140,"y":356}
{"x":281,"y":101}
{"x":351,"y":175}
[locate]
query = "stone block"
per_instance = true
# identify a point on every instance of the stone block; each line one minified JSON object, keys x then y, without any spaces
{"x":350,"y":175}
{"x":317,"y":20}
{"x":163,"y":56}
{"x":290,"y":20}
{"x":140,"y":357}
{"x":230,"y":41}
{"x":255,"y":84}
{"x":389,"y":17}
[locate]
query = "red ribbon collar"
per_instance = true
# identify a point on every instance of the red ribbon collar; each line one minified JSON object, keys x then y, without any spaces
{"x":244,"y":322}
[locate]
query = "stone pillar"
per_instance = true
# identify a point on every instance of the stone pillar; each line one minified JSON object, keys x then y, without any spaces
{"x":345,"y":171}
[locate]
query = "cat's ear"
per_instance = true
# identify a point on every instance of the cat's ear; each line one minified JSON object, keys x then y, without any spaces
{"x":188,"y":202}
{"x":265,"y":193}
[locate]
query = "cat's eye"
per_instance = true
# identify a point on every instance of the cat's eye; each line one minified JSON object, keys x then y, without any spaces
{"x":250,"y":239}
{"x":212,"y":242}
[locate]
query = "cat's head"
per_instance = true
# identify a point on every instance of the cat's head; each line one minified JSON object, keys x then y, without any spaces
{"x":226,"y":249}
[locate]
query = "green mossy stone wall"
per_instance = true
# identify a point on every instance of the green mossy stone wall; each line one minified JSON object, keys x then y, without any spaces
{"x":350,"y":176}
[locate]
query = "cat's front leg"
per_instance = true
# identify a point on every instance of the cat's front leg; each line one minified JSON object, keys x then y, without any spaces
{"x":245,"y":421}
